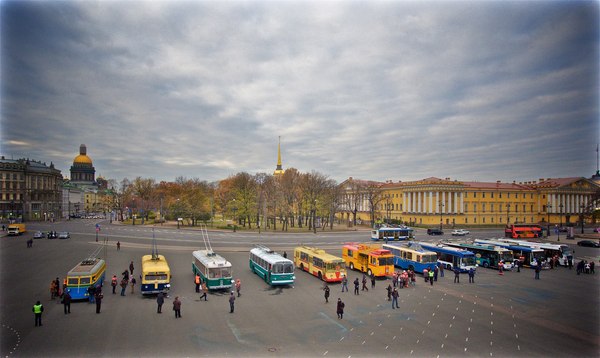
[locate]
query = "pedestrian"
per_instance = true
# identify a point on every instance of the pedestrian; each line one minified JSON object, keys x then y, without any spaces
{"x":231,"y":302}
{"x":160,"y":299}
{"x":413,"y":278}
{"x":204,"y":292}
{"x":133,"y":282}
{"x":52,"y":289}
{"x":37,"y":309}
{"x":425,"y":274}
{"x":98,"y":296}
{"x":395,"y":278}
{"x":29,"y":243}
{"x":118,"y":245}
{"x":113,"y":283}
{"x":570,"y":263}
{"x":456,"y":275}
{"x":501,"y":268}
{"x":592,"y":267}
{"x":538,"y":268}
{"x":123,"y":286}
{"x":66,"y":301}
{"x":389,"y":292}
{"x":177,"y":307}
{"x":373,"y":281}
{"x":441,"y":270}
{"x":238,"y":287}
{"x":435,"y":273}
{"x":197,"y":282}
{"x":340,"y":308}
{"x":131,"y":268}
{"x":57,"y":292}
{"x":285,"y":255}
{"x":471,"y":275}
{"x":91,"y":292}
{"x":364,"y":283}
{"x":344,"y":283}
{"x":395,"y":299}
{"x":431,"y":276}
{"x":518,"y":264}
{"x":356,"y":286}
{"x":326,"y":289}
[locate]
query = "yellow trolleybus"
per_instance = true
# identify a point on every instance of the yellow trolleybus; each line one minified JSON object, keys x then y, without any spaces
{"x":371,"y":259}
{"x":319,"y":263}
{"x":156,"y":274}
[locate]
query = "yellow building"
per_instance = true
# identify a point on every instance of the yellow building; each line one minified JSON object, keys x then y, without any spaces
{"x":434,"y":201}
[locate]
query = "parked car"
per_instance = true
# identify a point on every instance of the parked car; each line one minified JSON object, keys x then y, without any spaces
{"x":39,"y":235}
{"x":52,"y":235}
{"x":588,"y":243}
{"x":435,"y":231}
{"x":460,"y":232}
{"x":64,"y":235}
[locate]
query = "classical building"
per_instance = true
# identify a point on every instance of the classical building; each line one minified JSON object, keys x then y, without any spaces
{"x":434,"y":201}
{"x":31,"y":190}
{"x":82,"y":171}
{"x":73,"y":200}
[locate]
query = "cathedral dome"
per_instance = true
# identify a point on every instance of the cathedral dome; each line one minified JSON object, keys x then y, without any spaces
{"x":82,"y":158}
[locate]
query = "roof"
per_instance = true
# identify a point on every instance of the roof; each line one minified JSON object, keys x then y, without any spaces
{"x":82,"y":159}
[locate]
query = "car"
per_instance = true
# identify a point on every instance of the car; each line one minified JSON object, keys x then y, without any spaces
{"x":588,"y":243}
{"x":52,"y":235}
{"x":460,"y":232}
{"x":435,"y":231}
{"x":64,"y":235}
{"x":39,"y":235}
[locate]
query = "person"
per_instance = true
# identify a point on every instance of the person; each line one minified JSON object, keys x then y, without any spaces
{"x":66,"y":300}
{"x":57,"y":292}
{"x":37,"y":309}
{"x":435,"y":273}
{"x":326,"y":289}
{"x":91,"y":291}
{"x":160,"y":299}
{"x":395,"y":299}
{"x":364,"y":283}
{"x":592,"y":267}
{"x":456,"y":275}
{"x":123,"y":286}
{"x":340,"y":308}
{"x":413,"y":278}
{"x":441,"y":269}
{"x":395,"y":278}
{"x":570,"y":263}
{"x":177,"y":307}
{"x":204,"y":292}
{"x":197,"y":282}
{"x":238,"y":287}
{"x":231,"y":302}
{"x":131,"y":268}
{"x":501,"y":267}
{"x":29,"y":243}
{"x":471,"y":275}
{"x":389,"y":292}
{"x":118,"y":245}
{"x":518,"y":264}
{"x":52,"y":289}
{"x":356,"y":286}
{"x":373,"y":281}
{"x":113,"y":283}
{"x":132,"y":283}
{"x":425,"y":274}
{"x":285,"y":255}
{"x":431,"y":276}
{"x":538,"y":268}
{"x":98,"y":296}
{"x":344,"y":283}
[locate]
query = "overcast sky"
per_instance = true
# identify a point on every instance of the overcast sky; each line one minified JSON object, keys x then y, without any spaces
{"x":475,"y":91}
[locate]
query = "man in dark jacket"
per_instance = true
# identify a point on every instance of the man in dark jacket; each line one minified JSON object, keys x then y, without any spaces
{"x":66,"y":300}
{"x":160,"y":299}
{"x":177,"y":307}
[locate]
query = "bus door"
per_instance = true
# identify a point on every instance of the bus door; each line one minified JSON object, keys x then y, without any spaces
{"x":456,"y":261}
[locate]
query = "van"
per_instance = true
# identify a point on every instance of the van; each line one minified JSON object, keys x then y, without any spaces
{"x":16,"y":229}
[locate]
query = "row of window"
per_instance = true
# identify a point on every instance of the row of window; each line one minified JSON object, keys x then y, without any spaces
{"x":483,"y":195}
{"x":492,"y":206}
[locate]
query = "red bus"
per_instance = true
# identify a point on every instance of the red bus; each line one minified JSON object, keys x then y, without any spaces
{"x":523,"y":231}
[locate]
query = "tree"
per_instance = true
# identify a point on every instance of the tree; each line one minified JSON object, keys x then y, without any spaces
{"x":373,"y":193}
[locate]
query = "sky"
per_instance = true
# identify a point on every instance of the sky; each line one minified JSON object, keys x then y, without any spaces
{"x":374,"y":90}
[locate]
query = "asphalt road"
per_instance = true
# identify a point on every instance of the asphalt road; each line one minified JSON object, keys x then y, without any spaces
{"x":501,"y":316}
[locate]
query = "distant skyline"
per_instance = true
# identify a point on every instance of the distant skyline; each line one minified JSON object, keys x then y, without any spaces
{"x":394,"y":90}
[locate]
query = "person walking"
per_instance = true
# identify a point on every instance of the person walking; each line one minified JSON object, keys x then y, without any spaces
{"x":389,"y":292}
{"x":131,"y":268}
{"x":340,"y":308}
{"x":326,"y":289}
{"x":160,"y":299}
{"x":91,"y":292}
{"x":118,"y":245}
{"x":66,"y":300}
{"x":356,"y":286}
{"x":537,"y":271}
{"x":177,"y":307}
{"x":435,"y":273}
{"x":364,"y":283}
{"x":37,"y":309}
{"x":123,"y":286}
{"x":113,"y":283}
{"x":471,"y":275}
{"x":344,"y":283}
{"x":98,"y":296}
{"x":231,"y":302}
{"x":238,"y":287}
{"x":204,"y":292}
{"x":29,"y":243}
{"x":52,"y":289}
{"x":395,"y":295}
{"x":456,"y":275}
{"x":431,"y":276}
{"x":426,"y":274}
{"x":133,"y":282}
{"x":518,"y":264}
{"x":285,"y":255}
{"x":373,"y":281}
{"x":197,"y":282}
{"x":441,"y":270}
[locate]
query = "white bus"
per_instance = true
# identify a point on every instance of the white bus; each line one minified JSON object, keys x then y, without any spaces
{"x":214,"y":269}
{"x":563,"y":251}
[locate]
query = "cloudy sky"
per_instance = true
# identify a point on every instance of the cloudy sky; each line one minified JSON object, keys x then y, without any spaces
{"x":375,"y":90}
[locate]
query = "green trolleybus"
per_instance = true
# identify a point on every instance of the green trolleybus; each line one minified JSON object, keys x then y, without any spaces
{"x":271,"y":266}
{"x":214,"y":269}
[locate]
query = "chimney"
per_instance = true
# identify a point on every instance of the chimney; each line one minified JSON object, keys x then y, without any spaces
{"x":541,"y":180}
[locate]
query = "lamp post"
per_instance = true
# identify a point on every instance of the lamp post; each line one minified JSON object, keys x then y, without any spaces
{"x":548,"y":208}
{"x":234,"y":217}
{"x":314,"y":218}
{"x":581,"y":216}
{"x":507,"y":214}
{"x":441,"y":214}
{"x":560,"y":222}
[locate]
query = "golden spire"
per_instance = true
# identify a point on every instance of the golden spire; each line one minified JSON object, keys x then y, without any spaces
{"x":278,"y":170}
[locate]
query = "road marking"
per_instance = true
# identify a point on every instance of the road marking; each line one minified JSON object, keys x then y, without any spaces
{"x":364,"y":342}
{"x":344,"y":329}
{"x":386,"y":347}
{"x":325,"y":353}
{"x":341,"y":339}
{"x":467,"y":339}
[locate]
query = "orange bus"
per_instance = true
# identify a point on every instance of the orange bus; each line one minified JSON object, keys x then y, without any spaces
{"x":319,"y":263}
{"x":523,"y":231}
{"x":369,"y":258}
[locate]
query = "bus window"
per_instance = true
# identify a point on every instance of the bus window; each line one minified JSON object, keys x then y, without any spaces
{"x":277,"y":268}
{"x":73,"y":281}
{"x":155,"y":277}
{"x":85,"y":281}
{"x":350,"y":253}
{"x":214,"y":272}
{"x":225,"y":272}
{"x":288,"y":267}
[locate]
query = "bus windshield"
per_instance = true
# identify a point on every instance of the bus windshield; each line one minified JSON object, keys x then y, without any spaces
{"x":386,"y":261}
{"x":429,"y":258}
{"x":155,"y":277}
{"x":283,"y":267}
{"x":214,"y":272}
{"x":333,"y":266}
{"x":469,"y":260}
{"x":507,"y":257}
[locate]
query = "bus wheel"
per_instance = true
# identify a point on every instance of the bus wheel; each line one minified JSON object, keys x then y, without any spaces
{"x":486,"y":264}
{"x":411,"y":268}
{"x":448,"y":267}
{"x":369,"y":272}
{"x":351,"y":266}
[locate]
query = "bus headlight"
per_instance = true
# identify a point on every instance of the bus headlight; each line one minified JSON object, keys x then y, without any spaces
{"x":168,"y":285}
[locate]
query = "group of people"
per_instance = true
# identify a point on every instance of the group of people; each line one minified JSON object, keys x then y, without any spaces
{"x":584,"y":266}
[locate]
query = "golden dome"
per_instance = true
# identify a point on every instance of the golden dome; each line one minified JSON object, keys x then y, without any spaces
{"x":82,"y":159}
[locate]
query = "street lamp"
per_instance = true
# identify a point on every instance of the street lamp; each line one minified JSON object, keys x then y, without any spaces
{"x":560,"y":222}
{"x":507,"y":214}
{"x":581,"y":216}
{"x":441,"y":214}
{"x":548,"y":208}
{"x":234,"y":217}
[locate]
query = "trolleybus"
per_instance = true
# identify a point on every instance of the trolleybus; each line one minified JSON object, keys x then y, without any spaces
{"x":488,"y":255}
{"x":319,"y":263}
{"x":523,"y":231}
{"x":562,"y":251}
{"x":271,"y":266}
{"x":89,"y":272}
{"x":412,"y":257}
{"x":156,"y":274}
{"x":526,"y":255}
{"x":392,"y":233}
{"x":452,"y":257}
{"x":213,"y":269}
{"x":371,"y":259}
